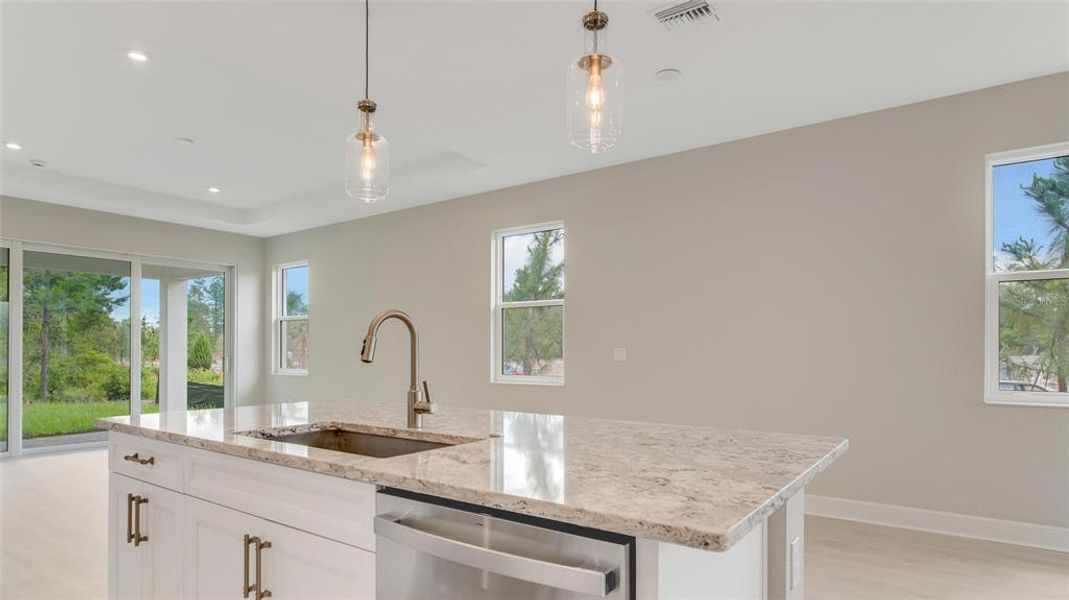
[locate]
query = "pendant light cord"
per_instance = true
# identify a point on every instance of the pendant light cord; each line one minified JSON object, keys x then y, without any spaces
{"x":595,"y":32}
{"x":367,"y":45}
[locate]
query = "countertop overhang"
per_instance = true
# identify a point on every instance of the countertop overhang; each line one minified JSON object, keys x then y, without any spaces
{"x":701,"y":487}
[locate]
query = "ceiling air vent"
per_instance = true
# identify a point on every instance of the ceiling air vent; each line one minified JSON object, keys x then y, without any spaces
{"x":678,"y":16}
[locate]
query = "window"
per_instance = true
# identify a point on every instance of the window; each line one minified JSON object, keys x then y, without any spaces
{"x":1027,"y":306}
{"x":528,"y":305}
{"x":291,"y":319}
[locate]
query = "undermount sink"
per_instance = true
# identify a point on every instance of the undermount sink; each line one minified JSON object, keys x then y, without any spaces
{"x":356,"y":442}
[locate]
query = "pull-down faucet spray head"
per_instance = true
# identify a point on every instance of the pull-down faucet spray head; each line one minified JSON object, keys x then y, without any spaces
{"x":367,"y":351}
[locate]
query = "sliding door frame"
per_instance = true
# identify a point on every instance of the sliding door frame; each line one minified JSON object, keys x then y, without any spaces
{"x":16,"y":247}
{"x":14,"y":347}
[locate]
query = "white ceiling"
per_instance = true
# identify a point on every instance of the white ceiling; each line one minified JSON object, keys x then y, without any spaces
{"x":470,"y":94}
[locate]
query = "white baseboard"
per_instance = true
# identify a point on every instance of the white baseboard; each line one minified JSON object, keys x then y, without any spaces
{"x":1047,"y":537}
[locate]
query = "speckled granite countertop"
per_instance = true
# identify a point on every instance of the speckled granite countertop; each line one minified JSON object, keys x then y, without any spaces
{"x":695,"y":486}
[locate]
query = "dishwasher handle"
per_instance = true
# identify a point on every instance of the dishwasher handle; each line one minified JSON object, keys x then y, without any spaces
{"x":565,"y":577}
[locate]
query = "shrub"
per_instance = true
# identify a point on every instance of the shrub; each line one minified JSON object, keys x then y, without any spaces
{"x":200,"y":352}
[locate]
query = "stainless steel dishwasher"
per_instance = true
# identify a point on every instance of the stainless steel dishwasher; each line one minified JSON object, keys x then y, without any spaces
{"x":428,"y":548}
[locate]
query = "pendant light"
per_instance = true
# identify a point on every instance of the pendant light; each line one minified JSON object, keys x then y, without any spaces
{"x":367,"y":159}
{"x":595,"y":99}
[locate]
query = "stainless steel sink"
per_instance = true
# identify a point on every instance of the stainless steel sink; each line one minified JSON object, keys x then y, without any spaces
{"x":355,"y":442}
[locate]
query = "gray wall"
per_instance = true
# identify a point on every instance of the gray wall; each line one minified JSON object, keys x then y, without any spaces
{"x":825,"y":280}
{"x":40,"y":222}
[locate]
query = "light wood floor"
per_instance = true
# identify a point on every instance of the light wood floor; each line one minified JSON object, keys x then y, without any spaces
{"x":845,"y":559}
{"x":52,"y":545}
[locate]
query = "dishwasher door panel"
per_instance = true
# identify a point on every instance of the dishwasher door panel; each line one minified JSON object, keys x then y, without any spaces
{"x":427,"y":551}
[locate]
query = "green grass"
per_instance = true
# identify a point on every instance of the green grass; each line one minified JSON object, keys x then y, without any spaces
{"x":54,"y":418}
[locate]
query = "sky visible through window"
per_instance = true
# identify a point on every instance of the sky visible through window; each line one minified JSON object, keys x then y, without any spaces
{"x":1014,"y":214}
{"x":297,"y":282}
{"x":150,"y":300}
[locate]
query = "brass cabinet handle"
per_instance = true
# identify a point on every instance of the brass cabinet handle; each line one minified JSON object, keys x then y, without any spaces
{"x":245,"y":587}
{"x":257,"y":588}
{"x":129,"y":518}
{"x":141,"y":461}
{"x":260,"y":591}
{"x":138,"y":538}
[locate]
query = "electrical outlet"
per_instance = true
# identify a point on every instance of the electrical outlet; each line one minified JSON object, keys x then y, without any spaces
{"x":619,"y":354}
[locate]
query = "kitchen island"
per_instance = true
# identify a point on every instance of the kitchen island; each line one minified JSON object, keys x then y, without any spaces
{"x":713,"y":512}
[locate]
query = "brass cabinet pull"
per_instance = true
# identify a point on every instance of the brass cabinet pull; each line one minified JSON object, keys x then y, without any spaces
{"x":129,"y":518}
{"x":138,"y":538}
{"x":141,"y":461}
{"x":260,"y":591}
{"x":257,"y":588}
{"x":245,"y":587}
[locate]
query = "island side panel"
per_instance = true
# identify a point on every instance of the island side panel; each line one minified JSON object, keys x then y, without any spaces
{"x":786,"y":550}
{"x":671,"y":572}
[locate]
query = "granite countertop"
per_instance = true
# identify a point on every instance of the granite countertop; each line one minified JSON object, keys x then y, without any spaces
{"x":695,"y":486}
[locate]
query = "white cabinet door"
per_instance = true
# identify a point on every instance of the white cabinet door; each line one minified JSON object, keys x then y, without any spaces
{"x":145,"y":525}
{"x":215,"y":550}
{"x":302,"y":565}
{"x":295,"y":565}
{"x":162,"y":522}
{"x":124,"y":559}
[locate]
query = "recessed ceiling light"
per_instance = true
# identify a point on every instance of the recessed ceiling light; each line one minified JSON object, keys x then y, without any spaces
{"x":13,"y":146}
{"x":668,"y":74}
{"x":214,"y":190}
{"x":137,"y":56}
{"x":185,"y":142}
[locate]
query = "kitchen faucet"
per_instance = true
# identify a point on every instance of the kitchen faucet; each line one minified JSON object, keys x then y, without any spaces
{"x":419,"y":401}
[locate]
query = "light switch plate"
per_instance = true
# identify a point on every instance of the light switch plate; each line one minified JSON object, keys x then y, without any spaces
{"x":619,"y":354}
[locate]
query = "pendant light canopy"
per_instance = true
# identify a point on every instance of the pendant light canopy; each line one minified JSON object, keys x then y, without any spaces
{"x":367,"y":158}
{"x":595,"y":93}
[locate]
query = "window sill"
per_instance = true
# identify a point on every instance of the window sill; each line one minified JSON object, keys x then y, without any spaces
{"x":528,"y":380}
{"x":291,"y":372}
{"x":1032,"y":400}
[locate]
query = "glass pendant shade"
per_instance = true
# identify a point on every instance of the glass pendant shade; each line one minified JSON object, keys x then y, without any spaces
{"x":594,"y":96}
{"x":367,"y":165}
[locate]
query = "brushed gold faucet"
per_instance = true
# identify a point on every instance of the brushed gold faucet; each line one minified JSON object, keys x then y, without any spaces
{"x":419,"y":400}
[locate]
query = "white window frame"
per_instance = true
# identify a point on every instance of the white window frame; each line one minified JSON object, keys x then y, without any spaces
{"x":992,"y":393}
{"x":278,"y":305}
{"x":498,"y":305}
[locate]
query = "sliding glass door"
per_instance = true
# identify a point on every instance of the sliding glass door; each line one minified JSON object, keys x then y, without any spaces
{"x":87,"y":334}
{"x":75,"y":346}
{"x":183,"y":337}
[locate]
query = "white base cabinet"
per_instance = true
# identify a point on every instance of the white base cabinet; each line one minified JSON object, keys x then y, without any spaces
{"x":292,"y":563}
{"x":166,"y":543}
{"x":145,"y":524}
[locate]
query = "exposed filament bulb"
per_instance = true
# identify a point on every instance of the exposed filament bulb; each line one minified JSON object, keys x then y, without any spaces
{"x":595,"y":91}
{"x":367,"y":157}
